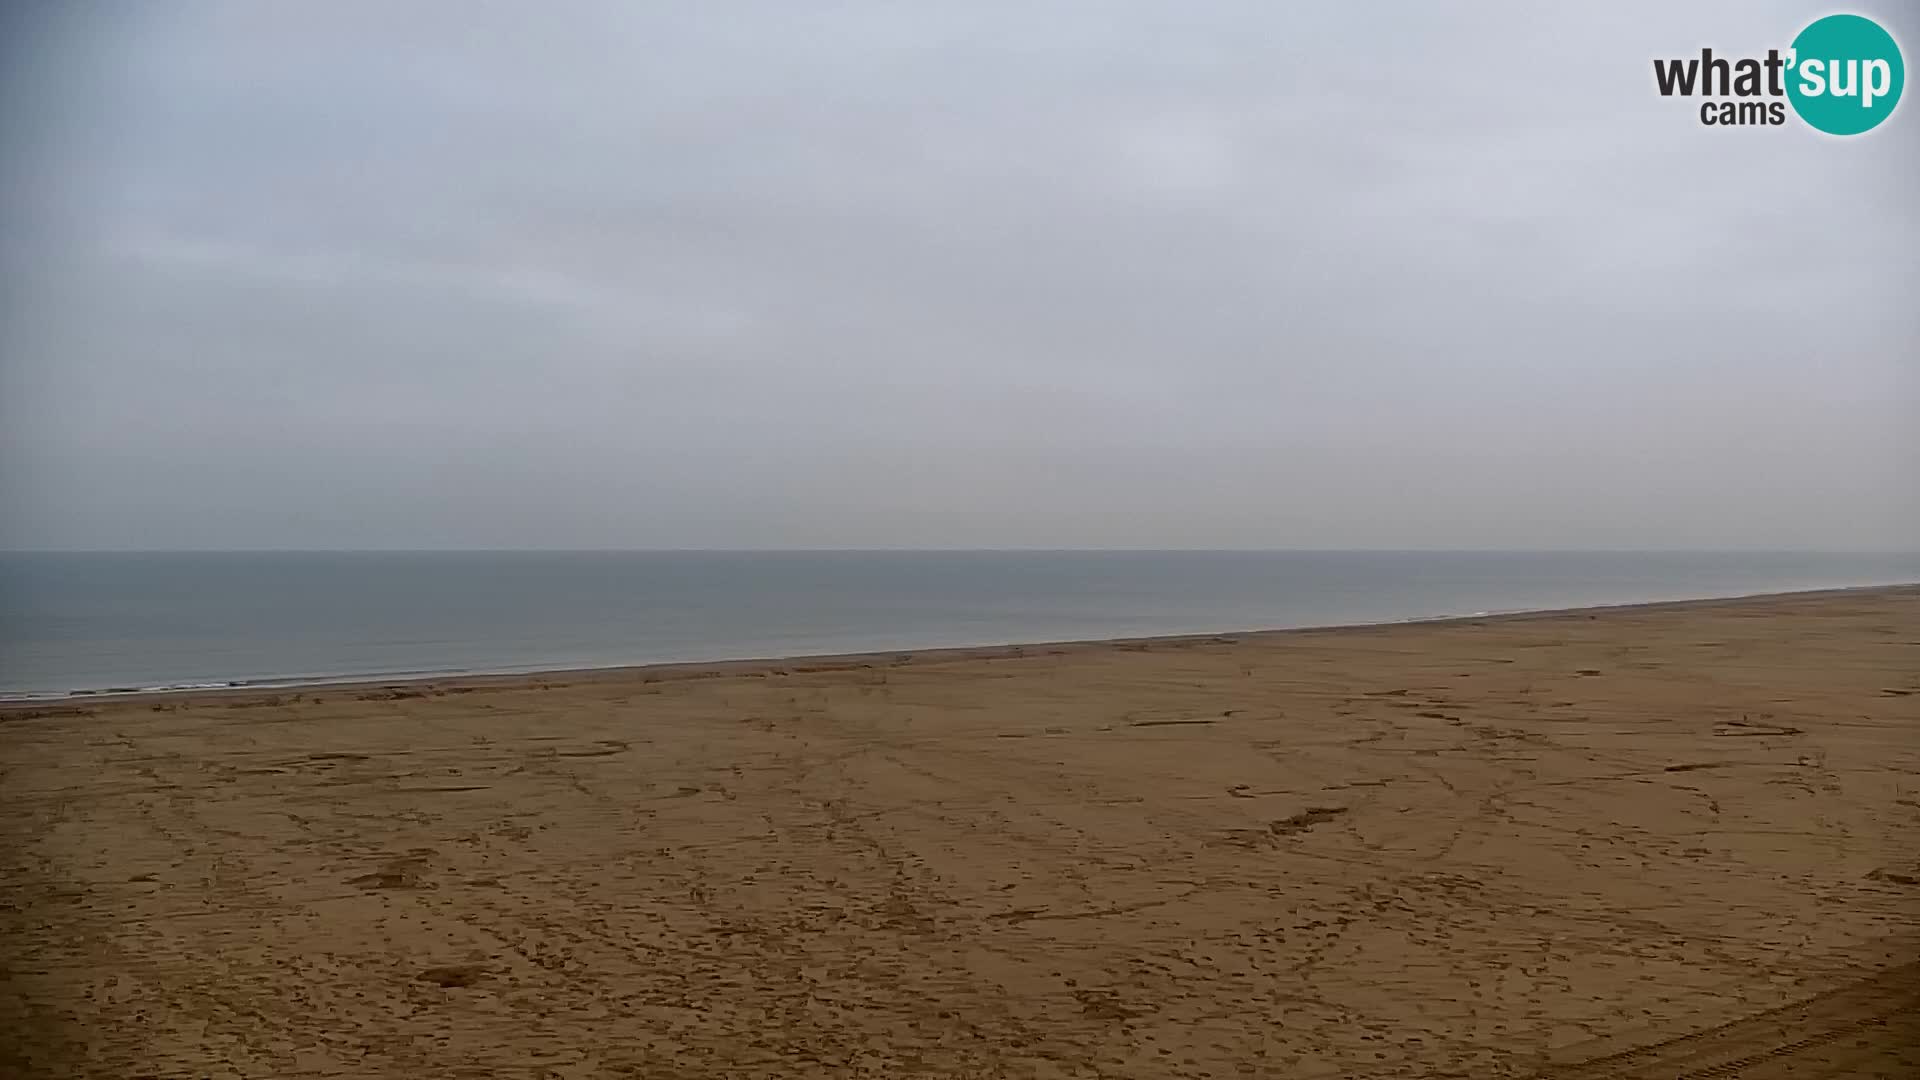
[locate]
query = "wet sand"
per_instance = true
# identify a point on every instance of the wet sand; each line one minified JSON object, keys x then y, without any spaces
{"x":1636,"y":842}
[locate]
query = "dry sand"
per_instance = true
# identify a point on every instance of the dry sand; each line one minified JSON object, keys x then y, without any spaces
{"x":1482,"y":849}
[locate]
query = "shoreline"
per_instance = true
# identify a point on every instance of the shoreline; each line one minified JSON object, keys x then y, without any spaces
{"x":77,"y":702}
{"x":1503,"y":846}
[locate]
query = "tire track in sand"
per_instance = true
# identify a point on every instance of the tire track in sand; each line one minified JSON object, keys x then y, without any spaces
{"x":1866,"y":1029}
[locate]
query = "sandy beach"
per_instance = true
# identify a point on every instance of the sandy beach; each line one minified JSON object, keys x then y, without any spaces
{"x":1672,"y":840}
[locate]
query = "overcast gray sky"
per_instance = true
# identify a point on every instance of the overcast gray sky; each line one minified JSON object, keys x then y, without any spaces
{"x":961,"y":274}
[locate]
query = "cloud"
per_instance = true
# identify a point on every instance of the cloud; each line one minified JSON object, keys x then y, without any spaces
{"x":1081,"y":274}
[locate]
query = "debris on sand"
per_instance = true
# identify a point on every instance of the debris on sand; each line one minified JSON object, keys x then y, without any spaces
{"x":1305,"y":819}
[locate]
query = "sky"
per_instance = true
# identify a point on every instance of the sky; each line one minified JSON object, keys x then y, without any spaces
{"x":949,"y":275}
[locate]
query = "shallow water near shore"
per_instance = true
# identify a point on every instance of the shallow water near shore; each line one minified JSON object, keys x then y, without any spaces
{"x":73,"y":622}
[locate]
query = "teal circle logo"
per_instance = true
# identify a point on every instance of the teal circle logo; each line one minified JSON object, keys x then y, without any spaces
{"x":1845,"y":74}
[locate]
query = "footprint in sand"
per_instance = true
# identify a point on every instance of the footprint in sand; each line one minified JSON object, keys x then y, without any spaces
{"x":453,"y":976}
{"x":403,"y":873}
{"x":1304,"y":820}
{"x":604,"y":748}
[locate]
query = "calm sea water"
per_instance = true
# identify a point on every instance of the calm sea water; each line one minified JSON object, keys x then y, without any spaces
{"x":95,"y":621}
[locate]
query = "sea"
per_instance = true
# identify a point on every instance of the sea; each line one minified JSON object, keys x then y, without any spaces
{"x":92,"y":622}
